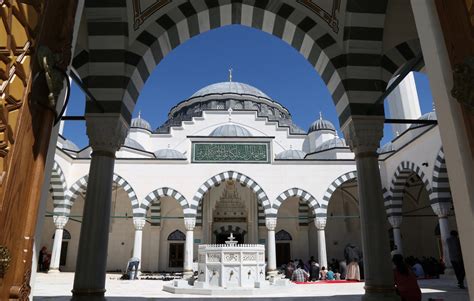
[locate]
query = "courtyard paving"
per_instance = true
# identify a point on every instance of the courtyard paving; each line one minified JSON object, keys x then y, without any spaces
{"x":58,"y":286}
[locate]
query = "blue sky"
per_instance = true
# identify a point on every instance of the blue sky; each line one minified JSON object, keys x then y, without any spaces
{"x":257,"y":58}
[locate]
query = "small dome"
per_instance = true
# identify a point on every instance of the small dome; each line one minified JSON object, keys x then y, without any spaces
{"x":387,"y":148}
{"x":291,"y":154}
{"x":428,"y":116}
{"x":129,"y":142}
{"x":321,"y":124}
{"x":230,"y":130}
{"x":333,"y":143}
{"x":230,"y":87}
{"x":69,"y":145}
{"x":139,"y":122}
{"x":169,"y":153}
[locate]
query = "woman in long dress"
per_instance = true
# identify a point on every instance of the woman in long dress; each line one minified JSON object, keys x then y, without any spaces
{"x":352,"y":255}
{"x":353,"y":271}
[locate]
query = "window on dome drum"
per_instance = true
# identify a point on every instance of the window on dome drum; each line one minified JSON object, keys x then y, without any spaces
{"x":220,"y":106}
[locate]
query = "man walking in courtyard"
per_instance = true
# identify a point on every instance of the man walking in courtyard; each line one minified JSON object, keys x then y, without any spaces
{"x":454,"y":247}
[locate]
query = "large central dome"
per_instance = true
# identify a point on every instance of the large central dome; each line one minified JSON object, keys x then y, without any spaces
{"x":230,"y":87}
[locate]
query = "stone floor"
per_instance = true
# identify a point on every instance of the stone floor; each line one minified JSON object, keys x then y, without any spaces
{"x":58,"y":287}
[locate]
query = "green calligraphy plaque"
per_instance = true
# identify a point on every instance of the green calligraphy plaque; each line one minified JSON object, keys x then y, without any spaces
{"x":236,"y":152}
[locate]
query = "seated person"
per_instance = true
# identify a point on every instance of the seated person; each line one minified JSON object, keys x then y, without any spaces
{"x":330,"y":275}
{"x":300,"y":275}
{"x":337,"y":275}
{"x":323,"y":273}
{"x":418,"y":270}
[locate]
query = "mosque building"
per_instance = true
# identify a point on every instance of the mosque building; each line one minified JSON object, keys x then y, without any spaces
{"x":230,"y":159}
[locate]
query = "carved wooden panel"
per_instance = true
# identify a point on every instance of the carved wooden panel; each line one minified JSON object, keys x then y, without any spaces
{"x":17,"y":27}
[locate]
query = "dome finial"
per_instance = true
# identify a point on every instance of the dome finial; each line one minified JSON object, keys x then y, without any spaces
{"x":230,"y":74}
{"x":320,"y":115}
{"x":140,"y":114}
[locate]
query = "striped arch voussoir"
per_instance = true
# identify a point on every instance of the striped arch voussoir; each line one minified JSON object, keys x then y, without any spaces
{"x":395,"y":58}
{"x":405,"y":169}
{"x":322,"y":211}
{"x":153,"y":200}
{"x":230,"y":175}
{"x":303,"y":195}
{"x":58,"y":188}
{"x":441,"y":188}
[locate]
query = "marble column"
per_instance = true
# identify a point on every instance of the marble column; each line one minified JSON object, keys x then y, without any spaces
{"x":189,"y":224}
{"x":59,"y":223}
{"x":138,"y":223}
{"x":106,"y":134}
{"x":363,"y":134}
{"x":320,"y":223}
{"x":396,"y":222}
{"x":442,"y":211}
{"x":271,"y":223}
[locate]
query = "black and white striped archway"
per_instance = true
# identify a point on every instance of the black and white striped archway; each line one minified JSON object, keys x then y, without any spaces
{"x":344,"y":49}
{"x":262,"y":198}
{"x":153,"y":200}
{"x":303,"y":195}
{"x":323,"y":210}
{"x":405,"y":169}
{"x":80,"y":186}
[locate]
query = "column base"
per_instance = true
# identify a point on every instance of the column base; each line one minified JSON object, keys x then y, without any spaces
{"x":188,"y":275}
{"x":379,"y":293}
{"x":53,"y":271}
{"x":88,"y":294}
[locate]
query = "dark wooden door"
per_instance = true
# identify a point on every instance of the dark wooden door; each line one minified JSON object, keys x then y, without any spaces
{"x":176,"y":257}
{"x":62,"y":259}
{"x":283,"y":253}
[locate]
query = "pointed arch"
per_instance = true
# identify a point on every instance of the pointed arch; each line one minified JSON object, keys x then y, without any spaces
{"x":441,"y":188}
{"x":297,"y":23}
{"x":303,"y":195}
{"x":80,"y":186}
{"x":58,"y":187}
{"x":153,"y":199}
{"x":231,"y":175}
{"x":322,"y":211}
{"x":399,"y":180}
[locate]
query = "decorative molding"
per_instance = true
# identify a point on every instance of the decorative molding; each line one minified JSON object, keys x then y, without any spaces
{"x":320,"y":222}
{"x":395,"y":221}
{"x":106,"y":132}
{"x":60,"y":221}
{"x":189,"y":224}
{"x":463,"y":83}
{"x":140,"y":16}
{"x":271,"y":223}
{"x":139,"y":223}
{"x":363,"y":134}
{"x":329,"y":17}
{"x":441,"y":209}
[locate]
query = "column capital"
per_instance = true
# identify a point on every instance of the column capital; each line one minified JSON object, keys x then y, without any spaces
{"x":441,"y":209}
{"x":139,"y":223}
{"x":320,"y":222}
{"x":395,"y":221}
{"x":363,"y":133}
{"x":60,"y":221}
{"x":271,"y":223}
{"x":189,"y":223}
{"x":106,"y":132}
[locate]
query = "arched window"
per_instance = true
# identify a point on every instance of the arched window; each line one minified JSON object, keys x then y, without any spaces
{"x":176,"y":249}
{"x":283,"y":235}
{"x":177,"y":236}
